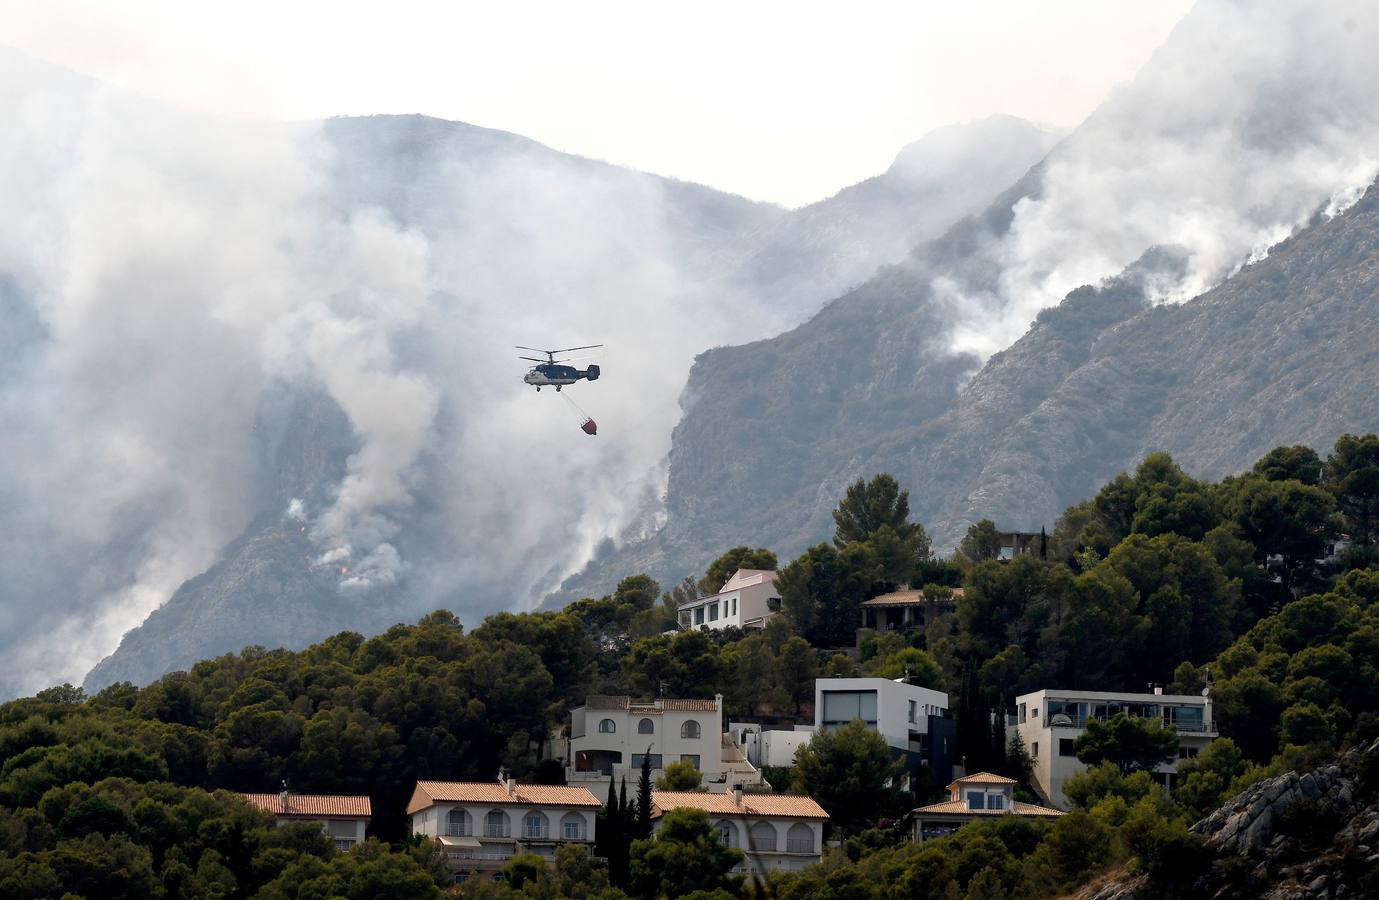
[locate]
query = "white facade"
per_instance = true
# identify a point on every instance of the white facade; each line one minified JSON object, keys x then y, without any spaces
{"x":775,"y":832}
{"x":609,"y":736}
{"x":483,"y":825}
{"x":898,"y":710}
{"x":1049,"y":721}
{"x":745,"y":601}
{"x":770,"y":747}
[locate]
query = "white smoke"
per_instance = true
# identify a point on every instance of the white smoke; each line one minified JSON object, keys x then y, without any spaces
{"x":1253,"y":118}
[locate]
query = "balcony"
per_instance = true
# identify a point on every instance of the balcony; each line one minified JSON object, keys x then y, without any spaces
{"x":457,"y":831}
{"x":1063,"y":720}
{"x":531,"y":833}
{"x":496,"y":831}
{"x":800,"y":845}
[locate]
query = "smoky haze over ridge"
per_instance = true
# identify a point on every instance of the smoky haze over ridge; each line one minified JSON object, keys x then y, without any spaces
{"x":1251,"y":120}
{"x":296,"y":341}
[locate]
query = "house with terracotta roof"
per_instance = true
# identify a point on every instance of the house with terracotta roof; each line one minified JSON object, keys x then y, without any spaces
{"x":906,"y":610}
{"x":775,"y":832}
{"x":746,"y":600}
{"x":609,"y":735}
{"x":482,"y":825}
{"x":343,"y":817}
{"x":971,"y":798}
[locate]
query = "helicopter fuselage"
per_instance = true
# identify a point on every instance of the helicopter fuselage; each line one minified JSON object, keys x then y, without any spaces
{"x":555,"y":374}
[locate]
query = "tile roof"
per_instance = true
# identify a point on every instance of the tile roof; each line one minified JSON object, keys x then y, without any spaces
{"x":903,"y":598}
{"x":982,"y":778}
{"x":312,"y":805}
{"x":491,"y":792}
{"x":794,"y":806}
{"x":650,"y":706}
{"x":958,"y":807}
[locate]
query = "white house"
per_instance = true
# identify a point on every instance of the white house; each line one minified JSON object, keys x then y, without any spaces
{"x":343,"y":817}
{"x":973,"y":797}
{"x":775,"y":832}
{"x":912,"y":719}
{"x":770,"y":746}
{"x":1049,"y":721}
{"x":610,"y":735}
{"x":483,"y":824}
{"x":747,"y":600}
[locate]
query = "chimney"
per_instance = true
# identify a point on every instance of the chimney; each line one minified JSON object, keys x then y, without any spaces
{"x":505,"y":780}
{"x":282,"y":796}
{"x":1158,"y":690}
{"x":737,"y":794}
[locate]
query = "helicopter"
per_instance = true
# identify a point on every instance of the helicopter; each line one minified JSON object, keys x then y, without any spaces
{"x":547,"y":371}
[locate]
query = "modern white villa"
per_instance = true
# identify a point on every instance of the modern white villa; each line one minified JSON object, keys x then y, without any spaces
{"x":609,"y":736}
{"x":912,"y":719}
{"x":747,"y":600}
{"x":775,"y":832}
{"x":482,"y":825}
{"x":1049,"y":722}
{"x":343,"y":817}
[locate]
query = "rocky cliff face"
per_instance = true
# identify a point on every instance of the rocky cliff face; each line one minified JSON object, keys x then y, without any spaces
{"x":1280,"y":353}
{"x":1314,"y":835}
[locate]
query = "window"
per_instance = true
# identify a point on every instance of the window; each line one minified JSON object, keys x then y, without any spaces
{"x":646,"y":726}
{"x":699,"y":615}
{"x":1034,"y":713}
{"x":976,"y":800}
{"x":534,"y":826}
{"x":763,"y":836}
{"x":691,"y":758}
{"x":1184,"y":718}
{"x":713,"y":612}
{"x":344,"y":845}
{"x":1022,"y":713}
{"x":457,"y":823}
{"x":734,"y":606}
{"x":841,"y":707}
{"x":572,"y":827}
{"x":1187,"y":752}
{"x":995,"y":801}
{"x":727,"y":834}
{"x":638,"y":757}
{"x":799,"y":839}
{"x":1065,"y":747}
{"x":496,"y":824}
{"x":607,"y":726}
{"x":1034,"y":749}
{"x":914,"y":711}
{"x":690,"y":730}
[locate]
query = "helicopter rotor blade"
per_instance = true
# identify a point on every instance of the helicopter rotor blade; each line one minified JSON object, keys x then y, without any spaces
{"x":535,"y":349}
{"x":572,"y":349}
{"x":533,"y":359}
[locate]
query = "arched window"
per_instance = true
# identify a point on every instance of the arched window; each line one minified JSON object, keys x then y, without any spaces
{"x":572,"y":827}
{"x":535,"y":827}
{"x":496,"y":824}
{"x":607,"y":727}
{"x":646,"y":726}
{"x":690,"y":729}
{"x":727,"y":833}
{"x":799,"y":839}
{"x":457,"y":823}
{"x":763,"y":836}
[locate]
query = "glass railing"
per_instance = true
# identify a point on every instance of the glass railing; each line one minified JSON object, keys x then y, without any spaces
{"x":1063,"y":720}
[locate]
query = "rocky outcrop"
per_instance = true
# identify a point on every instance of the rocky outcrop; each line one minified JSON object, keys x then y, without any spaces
{"x":1314,"y":835}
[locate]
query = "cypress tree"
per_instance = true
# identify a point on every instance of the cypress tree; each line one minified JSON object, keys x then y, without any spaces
{"x":1043,"y":543}
{"x":643,"y":830}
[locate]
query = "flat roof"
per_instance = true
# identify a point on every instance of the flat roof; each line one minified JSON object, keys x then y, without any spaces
{"x":1061,"y":694}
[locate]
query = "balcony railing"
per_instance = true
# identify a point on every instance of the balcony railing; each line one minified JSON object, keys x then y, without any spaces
{"x":1063,"y":720}
{"x":799,"y":845}
{"x":536,"y":833}
{"x":457,"y":831}
{"x":496,"y":831}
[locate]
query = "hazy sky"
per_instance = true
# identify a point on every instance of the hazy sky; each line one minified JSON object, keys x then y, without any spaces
{"x":781,"y":101}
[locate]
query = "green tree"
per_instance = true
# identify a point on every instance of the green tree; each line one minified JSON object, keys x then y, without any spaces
{"x":721,"y":569}
{"x":1287,"y":519}
{"x":1130,"y":743}
{"x":1352,"y":474}
{"x":982,"y":541}
{"x":868,"y":505}
{"x":1205,"y":780}
{"x":851,"y":773}
{"x":642,"y":829}
{"x":685,"y":857}
{"x":1295,"y":463}
{"x":796,"y":668}
{"x":680,"y":776}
